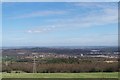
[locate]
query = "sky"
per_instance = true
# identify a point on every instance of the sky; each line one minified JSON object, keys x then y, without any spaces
{"x":60,"y":0}
{"x":59,"y":24}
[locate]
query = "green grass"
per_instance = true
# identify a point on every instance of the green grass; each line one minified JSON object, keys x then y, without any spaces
{"x":60,"y":75}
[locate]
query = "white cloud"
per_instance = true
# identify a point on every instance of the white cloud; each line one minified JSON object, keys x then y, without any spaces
{"x":99,"y":5}
{"x":106,"y":16}
{"x":38,"y":31}
{"x":41,"y":30}
{"x":39,"y":14}
{"x":105,"y":13}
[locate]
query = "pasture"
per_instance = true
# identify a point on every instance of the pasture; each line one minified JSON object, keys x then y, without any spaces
{"x":61,"y":75}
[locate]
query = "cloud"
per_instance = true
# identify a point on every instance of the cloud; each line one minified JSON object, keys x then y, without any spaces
{"x":108,"y":16}
{"x":99,"y":5}
{"x":39,"y":14}
{"x":104,"y":13}
{"x":105,"y":17}
{"x":37,"y":30}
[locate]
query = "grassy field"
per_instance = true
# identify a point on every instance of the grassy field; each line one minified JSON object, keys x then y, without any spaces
{"x":60,"y":75}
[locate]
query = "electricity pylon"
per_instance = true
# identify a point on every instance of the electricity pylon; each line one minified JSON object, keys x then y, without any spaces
{"x":6,"y":62}
{"x":34,"y":65}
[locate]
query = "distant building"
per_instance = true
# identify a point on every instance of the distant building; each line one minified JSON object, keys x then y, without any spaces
{"x":21,"y":53}
{"x":81,"y":55}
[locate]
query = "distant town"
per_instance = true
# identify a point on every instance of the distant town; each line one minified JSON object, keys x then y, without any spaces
{"x":44,"y":52}
{"x":60,"y":59}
